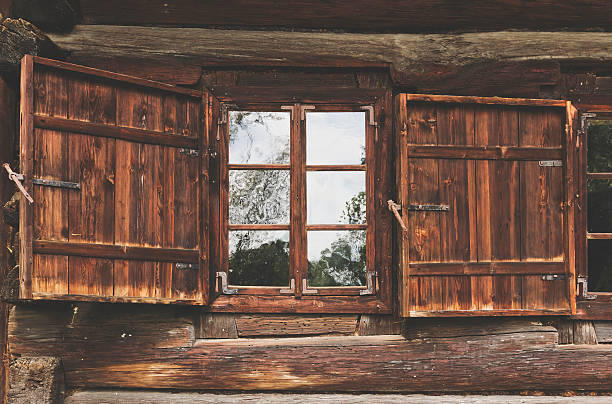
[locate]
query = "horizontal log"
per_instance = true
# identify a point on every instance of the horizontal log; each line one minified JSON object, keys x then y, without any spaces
{"x":117,"y":132}
{"x":487,"y":313}
{"x":356,"y":15}
{"x":475,"y":63}
{"x":485,"y":152}
{"x":486,"y":100}
{"x":487,"y":268}
{"x":293,"y":93}
{"x":116,"y":251}
{"x":593,"y":310}
{"x":307,"y":304}
{"x":117,"y":77}
{"x":464,"y":327}
{"x":603,"y":329}
{"x":111,"y":299}
{"x":251,"y":325}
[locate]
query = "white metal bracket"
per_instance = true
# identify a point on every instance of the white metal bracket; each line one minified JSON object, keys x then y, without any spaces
{"x":371,"y":284}
{"x":224,"y":288}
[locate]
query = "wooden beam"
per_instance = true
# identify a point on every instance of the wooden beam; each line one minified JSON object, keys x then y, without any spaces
{"x":356,"y":15}
{"x":18,"y":38}
{"x":427,"y":62}
{"x":127,"y":347}
{"x":485,"y":152}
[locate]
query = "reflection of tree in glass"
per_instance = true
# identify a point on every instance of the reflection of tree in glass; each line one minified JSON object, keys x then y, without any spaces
{"x":343,"y":264}
{"x":262,"y":197}
{"x":599,"y":209}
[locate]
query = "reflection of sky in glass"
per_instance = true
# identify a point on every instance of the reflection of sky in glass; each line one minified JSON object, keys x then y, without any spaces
{"x":259,"y":137}
{"x":329,"y":191}
{"x":355,"y":239}
{"x":335,"y":137}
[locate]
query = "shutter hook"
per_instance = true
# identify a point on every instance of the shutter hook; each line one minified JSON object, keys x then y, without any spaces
{"x":17,"y":178}
{"x":395,"y":208}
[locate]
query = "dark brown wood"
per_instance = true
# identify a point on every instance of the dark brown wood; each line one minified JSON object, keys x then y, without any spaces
{"x":418,"y":16}
{"x":298,"y":243}
{"x":370,"y":324}
{"x":89,"y":71}
{"x":584,"y":333}
{"x":485,"y":152}
{"x":336,"y":227}
{"x":599,"y":176}
{"x":598,"y":309}
{"x":258,"y":227}
{"x":485,"y":100}
{"x":603,"y":330}
{"x":347,"y":167}
{"x":258,"y":166}
{"x":26,"y":166}
{"x":487,"y":268}
{"x":253,"y":325}
{"x":294,"y":93}
{"x":103,"y":347}
{"x":217,"y":325}
{"x":599,"y":236}
{"x":116,"y":251}
{"x":8,"y":115}
{"x":116,"y":132}
{"x":464,"y":327}
{"x":479,"y":63}
{"x":570,"y":208}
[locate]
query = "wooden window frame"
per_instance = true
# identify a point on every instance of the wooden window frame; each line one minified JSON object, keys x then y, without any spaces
{"x":592,"y":305}
{"x":326,"y":299}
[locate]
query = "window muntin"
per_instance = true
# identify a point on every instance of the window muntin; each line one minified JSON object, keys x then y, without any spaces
{"x":599,"y":204}
{"x":332,"y":222}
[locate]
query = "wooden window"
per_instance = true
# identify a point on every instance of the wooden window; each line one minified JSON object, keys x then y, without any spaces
{"x":595,"y":224}
{"x":299,"y":213}
{"x":117,"y":170}
{"x":497,"y":236}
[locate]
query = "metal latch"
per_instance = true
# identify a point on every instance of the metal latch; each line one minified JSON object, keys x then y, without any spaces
{"x":17,"y":178}
{"x":189,"y":152}
{"x":305,"y":290}
{"x":185,"y":265}
{"x":371,"y":284}
{"x":224,"y":289}
{"x":553,"y":277}
{"x":584,"y":289}
{"x":371,"y":121}
{"x":428,"y":208}
{"x":291,"y":289}
{"x":550,"y":163}
{"x":56,"y":183}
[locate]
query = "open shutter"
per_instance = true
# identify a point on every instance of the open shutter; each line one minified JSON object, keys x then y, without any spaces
{"x":486,"y":197}
{"x":118,"y":173}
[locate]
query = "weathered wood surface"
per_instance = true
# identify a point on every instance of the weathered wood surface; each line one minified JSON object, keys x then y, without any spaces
{"x":476,"y":63}
{"x":18,"y":38}
{"x":36,"y":380}
{"x":357,"y":15}
{"x":217,"y":325}
{"x":465,"y":327}
{"x":379,"y":325}
{"x":106,"y":346}
{"x":603,"y":330}
{"x":503,"y":212}
{"x":8,"y":218}
{"x":150,"y":397}
{"x":267,"y":325}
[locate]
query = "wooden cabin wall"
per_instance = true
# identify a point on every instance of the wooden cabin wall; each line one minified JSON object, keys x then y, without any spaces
{"x":148,"y":346}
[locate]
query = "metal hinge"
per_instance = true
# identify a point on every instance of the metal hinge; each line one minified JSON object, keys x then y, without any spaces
{"x":17,"y":178}
{"x":372,"y":121}
{"x":553,"y":277}
{"x":185,"y":265}
{"x":224,"y":289}
{"x":583,"y":289}
{"x":550,"y":163}
{"x":429,"y":208}
{"x":371,"y":284}
{"x":189,"y":152}
{"x":56,"y":183}
{"x":305,"y":290}
{"x":291,"y":289}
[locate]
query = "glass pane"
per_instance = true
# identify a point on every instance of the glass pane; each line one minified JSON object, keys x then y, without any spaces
{"x":259,"y":258}
{"x":336,"y":197}
{"x":599,"y":211}
{"x":599,"y":135}
{"x":335,"y":138}
{"x":600,"y":265}
{"x":259,"y":196}
{"x":337,"y":258}
{"x":259,"y":137}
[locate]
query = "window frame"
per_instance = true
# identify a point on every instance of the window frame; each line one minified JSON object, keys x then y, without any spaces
{"x":583,"y":235}
{"x":296,"y":298}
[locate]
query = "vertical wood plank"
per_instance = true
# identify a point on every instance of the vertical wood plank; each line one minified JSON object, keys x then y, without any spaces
{"x":50,"y":274}
{"x":406,"y":286}
{"x":571,"y":192}
{"x":90,"y":276}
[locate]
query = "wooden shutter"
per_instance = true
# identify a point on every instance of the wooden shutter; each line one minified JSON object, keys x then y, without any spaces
{"x":135,"y":230}
{"x":503,"y":167}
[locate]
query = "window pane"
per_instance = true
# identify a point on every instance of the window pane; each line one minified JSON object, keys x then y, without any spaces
{"x":336,"y":197}
{"x":600,"y":265}
{"x":337,"y":258}
{"x":335,"y":138}
{"x":599,"y":212}
{"x":599,"y":135}
{"x":259,"y":258}
{"x":259,"y":137}
{"x":259,"y":196}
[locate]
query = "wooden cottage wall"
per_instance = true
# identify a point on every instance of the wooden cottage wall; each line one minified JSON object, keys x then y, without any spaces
{"x":130,"y":346}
